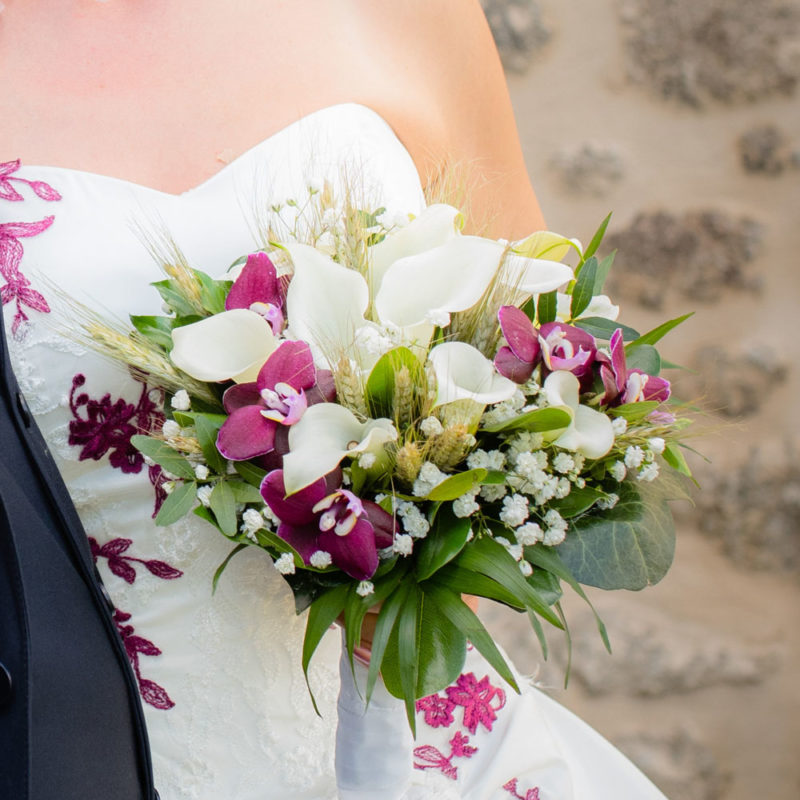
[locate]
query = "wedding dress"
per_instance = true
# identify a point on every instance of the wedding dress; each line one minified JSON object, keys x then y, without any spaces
{"x":227,"y":708}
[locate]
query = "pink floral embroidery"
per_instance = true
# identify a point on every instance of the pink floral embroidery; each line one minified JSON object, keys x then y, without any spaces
{"x":481,"y":700}
{"x":511,"y":788}
{"x":120,"y":564}
{"x":151,"y":692}
{"x":430,"y":757}
{"x":103,"y":426}
{"x":438,"y":710}
{"x":17,"y":288}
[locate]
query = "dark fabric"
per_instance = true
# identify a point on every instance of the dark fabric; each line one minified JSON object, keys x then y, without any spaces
{"x":73,"y":728}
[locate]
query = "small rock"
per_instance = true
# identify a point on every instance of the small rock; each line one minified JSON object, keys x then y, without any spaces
{"x":657,"y":655}
{"x":728,"y":51}
{"x":590,"y":169}
{"x":518,"y":30}
{"x":764,"y":149}
{"x":698,"y":254}
{"x":677,"y":762}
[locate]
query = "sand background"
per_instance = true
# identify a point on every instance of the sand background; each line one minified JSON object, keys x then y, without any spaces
{"x":682,"y":116}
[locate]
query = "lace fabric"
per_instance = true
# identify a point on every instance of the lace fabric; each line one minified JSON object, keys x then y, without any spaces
{"x":226,"y":703}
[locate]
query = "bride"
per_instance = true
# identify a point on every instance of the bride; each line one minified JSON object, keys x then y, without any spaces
{"x":188,"y":114}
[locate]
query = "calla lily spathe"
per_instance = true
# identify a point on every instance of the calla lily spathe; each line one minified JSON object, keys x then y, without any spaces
{"x":325,"y":435}
{"x":590,"y":432}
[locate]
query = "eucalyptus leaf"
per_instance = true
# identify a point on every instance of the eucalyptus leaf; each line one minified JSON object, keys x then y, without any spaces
{"x":644,"y":357}
{"x":165,"y":456}
{"x":546,"y":307}
{"x":223,"y":503}
{"x":178,"y":504}
{"x":245,"y":492}
{"x":627,"y":547}
{"x":207,"y":427}
{"x":577,"y":501}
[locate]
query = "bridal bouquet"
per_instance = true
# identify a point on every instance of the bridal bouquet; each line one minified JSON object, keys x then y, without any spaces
{"x":401,"y":414}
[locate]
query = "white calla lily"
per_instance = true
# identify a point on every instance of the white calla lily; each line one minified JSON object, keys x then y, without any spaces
{"x":534,"y":275}
{"x":434,"y":226}
{"x":546,"y":245}
{"x":599,"y":306}
{"x":464,"y":373}
{"x":590,"y":432}
{"x":325,"y":302}
{"x":231,"y":345}
{"x":324,"y":435}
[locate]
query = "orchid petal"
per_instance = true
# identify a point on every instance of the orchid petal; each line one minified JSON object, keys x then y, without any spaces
{"x":256,"y":283}
{"x":464,"y":373}
{"x":590,"y":432}
{"x":230,"y":345}
{"x":325,"y":434}
{"x":303,"y":538}
{"x":511,"y":367}
{"x":534,"y":275}
{"x":296,"y":509}
{"x":434,"y":226}
{"x":385,"y":524}
{"x":245,"y":434}
{"x":355,"y":553}
{"x":451,"y":277}
{"x":241,"y":395}
{"x":519,"y":333}
{"x":325,"y":302}
{"x":290,"y":363}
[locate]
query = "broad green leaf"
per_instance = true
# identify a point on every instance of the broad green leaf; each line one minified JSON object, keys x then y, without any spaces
{"x":443,"y":543}
{"x":603,"y":268}
{"x":384,"y":625}
{"x":156,"y":329}
{"x":644,"y":357}
{"x":675,"y":458}
{"x":223,"y":503}
{"x":178,"y":504}
{"x":381,"y":382}
{"x":627,"y":547}
{"x":546,"y":308}
{"x":456,"y":485}
{"x":494,"y":477}
{"x":252,"y":474}
{"x":174,"y":298}
{"x":596,"y":239}
{"x":450,"y":605}
{"x":546,"y":584}
{"x":206,"y":515}
{"x":212,"y":292}
{"x":602,"y":328}
{"x":493,"y":560}
{"x":321,"y":614}
{"x":245,"y":492}
{"x":540,"y":420}
{"x":653,"y":336}
{"x":165,"y":456}
{"x":577,"y":501}
{"x":207,"y":427}
{"x":465,"y":581}
{"x":583,"y":291}
{"x":221,"y":568}
{"x":634,"y":412}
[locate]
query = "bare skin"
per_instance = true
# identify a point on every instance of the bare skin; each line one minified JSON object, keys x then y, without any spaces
{"x":164,"y":93}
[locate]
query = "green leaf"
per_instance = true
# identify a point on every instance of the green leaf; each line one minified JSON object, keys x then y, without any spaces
{"x":653,"y":336}
{"x":596,"y":239}
{"x":178,"y":504}
{"x":245,"y":493}
{"x":173,"y":297}
{"x":644,"y":357}
{"x":321,"y":615}
{"x":384,"y":625}
{"x":466,"y":581}
{"x":536,"y":624}
{"x":540,"y":420}
{"x":205,"y":514}
{"x":494,"y":477}
{"x":223,"y":503}
{"x":675,"y":458}
{"x":486,"y":556}
{"x":546,"y":307}
{"x":583,"y":291}
{"x":221,"y":567}
{"x":456,"y":485}
{"x":212,"y":292}
{"x":207,"y":427}
{"x":381,"y":381}
{"x":546,"y":584}
{"x":602,"y":328}
{"x":252,"y":474}
{"x":627,"y":547}
{"x":603,"y":268}
{"x":450,"y":605}
{"x":155,"y":329}
{"x":634,"y":412}
{"x":443,"y":543}
{"x":165,"y":456}
{"x":577,"y":501}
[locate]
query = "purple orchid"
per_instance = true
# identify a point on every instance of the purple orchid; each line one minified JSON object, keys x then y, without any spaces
{"x":625,"y":385}
{"x":565,"y":347}
{"x":349,"y":529}
{"x":286,"y":385}
{"x":259,"y":289}
{"x":520,"y":356}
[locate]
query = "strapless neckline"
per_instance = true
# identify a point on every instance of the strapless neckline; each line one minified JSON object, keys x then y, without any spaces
{"x":318,"y":117}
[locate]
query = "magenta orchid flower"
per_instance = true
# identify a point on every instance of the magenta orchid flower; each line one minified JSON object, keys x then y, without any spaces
{"x":565,"y":347}
{"x":519,"y":357}
{"x":349,"y":529}
{"x":258,"y":289}
{"x":286,"y":385}
{"x":625,"y":385}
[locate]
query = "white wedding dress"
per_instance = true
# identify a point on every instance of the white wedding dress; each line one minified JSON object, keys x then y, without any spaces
{"x":227,"y":708}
